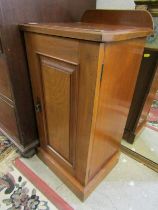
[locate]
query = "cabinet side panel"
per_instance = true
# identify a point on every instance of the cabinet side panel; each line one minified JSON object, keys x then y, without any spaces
{"x":121,"y":65}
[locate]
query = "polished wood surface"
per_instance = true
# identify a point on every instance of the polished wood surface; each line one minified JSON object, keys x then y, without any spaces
{"x":89,"y":31}
{"x":83,"y":90}
{"x":119,"y":17}
{"x":143,"y":95}
{"x":60,"y":105}
{"x":114,"y":98}
{"x":11,"y":47}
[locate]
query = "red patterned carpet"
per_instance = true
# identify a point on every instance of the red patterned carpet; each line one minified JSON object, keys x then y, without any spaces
{"x":153,"y":115}
{"x":20,"y":187}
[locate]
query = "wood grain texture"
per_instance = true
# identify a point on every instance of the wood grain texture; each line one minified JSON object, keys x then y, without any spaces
{"x":89,"y":31}
{"x":101,"y":26}
{"x":116,"y":91}
{"x":57,"y":98}
{"x":119,"y":17}
{"x":90,"y":60}
{"x":58,"y":93}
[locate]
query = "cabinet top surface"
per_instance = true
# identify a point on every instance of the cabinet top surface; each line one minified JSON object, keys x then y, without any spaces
{"x":89,"y":31}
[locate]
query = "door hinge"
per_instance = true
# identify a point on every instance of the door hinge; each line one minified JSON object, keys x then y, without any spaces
{"x":102,"y":71}
{"x":38,"y":107}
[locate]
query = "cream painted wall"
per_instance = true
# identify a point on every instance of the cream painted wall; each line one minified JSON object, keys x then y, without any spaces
{"x":115,"y":4}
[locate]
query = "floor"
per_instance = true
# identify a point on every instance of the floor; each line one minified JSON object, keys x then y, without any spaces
{"x":145,"y":144}
{"x":129,"y":186}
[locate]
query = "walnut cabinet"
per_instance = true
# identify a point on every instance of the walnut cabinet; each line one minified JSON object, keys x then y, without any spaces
{"x":83,"y":76}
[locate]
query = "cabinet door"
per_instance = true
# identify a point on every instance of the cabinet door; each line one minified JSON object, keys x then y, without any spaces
{"x":55,"y":84}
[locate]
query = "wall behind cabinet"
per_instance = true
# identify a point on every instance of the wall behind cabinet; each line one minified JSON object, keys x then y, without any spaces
{"x":115,"y":4}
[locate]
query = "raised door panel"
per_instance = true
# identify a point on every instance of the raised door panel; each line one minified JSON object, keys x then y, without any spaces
{"x":56,"y":86}
{"x":59,"y":100}
{"x":58,"y":92}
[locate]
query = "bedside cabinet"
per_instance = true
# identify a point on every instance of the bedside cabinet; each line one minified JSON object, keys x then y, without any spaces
{"x":83,"y":76}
